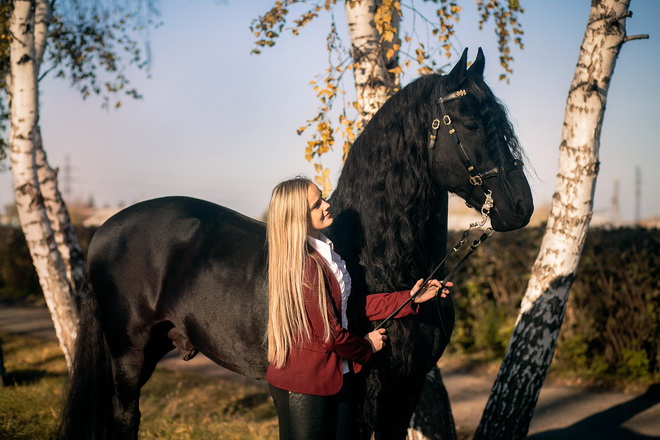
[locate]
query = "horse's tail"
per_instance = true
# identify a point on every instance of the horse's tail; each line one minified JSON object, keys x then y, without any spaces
{"x":87,"y":410}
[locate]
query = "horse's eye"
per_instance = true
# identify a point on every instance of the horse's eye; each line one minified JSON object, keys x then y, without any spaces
{"x":472,"y":127}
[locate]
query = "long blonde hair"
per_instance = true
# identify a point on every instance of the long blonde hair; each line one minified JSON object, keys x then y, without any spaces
{"x":287,"y":253}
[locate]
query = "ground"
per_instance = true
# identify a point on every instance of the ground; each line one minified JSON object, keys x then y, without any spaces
{"x":563,"y":412}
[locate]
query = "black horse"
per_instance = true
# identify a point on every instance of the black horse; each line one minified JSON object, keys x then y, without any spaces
{"x":185,"y":273}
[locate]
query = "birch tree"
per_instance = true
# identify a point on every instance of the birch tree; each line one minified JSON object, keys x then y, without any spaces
{"x":22,"y":95}
{"x":42,"y":212}
{"x":374,"y":50}
{"x":515,"y":392}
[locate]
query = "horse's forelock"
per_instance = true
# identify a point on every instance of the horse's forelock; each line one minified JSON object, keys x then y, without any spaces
{"x":499,"y":130}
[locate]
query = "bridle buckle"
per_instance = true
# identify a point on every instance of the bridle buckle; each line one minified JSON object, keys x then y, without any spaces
{"x":476,"y":180}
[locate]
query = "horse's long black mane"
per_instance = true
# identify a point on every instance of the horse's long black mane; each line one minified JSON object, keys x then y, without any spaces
{"x":387,"y":174}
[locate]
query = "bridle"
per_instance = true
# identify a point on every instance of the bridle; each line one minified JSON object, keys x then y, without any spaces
{"x":476,"y":178}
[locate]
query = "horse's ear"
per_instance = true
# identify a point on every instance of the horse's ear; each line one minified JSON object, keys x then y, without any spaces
{"x":477,"y":68}
{"x":457,"y":75}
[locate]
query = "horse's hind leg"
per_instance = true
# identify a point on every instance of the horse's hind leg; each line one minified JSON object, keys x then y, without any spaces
{"x":126,"y":370}
{"x":131,"y":371}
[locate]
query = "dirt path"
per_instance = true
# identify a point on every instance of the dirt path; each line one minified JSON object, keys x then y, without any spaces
{"x":562,"y":412}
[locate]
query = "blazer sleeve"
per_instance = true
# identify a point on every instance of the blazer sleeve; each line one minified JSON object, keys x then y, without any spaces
{"x":342,"y":342}
{"x":381,"y":305}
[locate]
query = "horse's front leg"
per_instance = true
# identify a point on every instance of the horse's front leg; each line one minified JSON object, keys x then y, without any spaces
{"x":396,"y":403}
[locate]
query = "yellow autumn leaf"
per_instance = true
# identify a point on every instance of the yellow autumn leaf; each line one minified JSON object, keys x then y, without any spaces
{"x":397,"y":70}
{"x":420,"y":55}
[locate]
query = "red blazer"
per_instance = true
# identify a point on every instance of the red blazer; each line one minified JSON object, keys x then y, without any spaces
{"x":314,"y":367}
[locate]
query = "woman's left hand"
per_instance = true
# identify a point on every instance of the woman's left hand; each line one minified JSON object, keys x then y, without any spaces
{"x":430,"y":290}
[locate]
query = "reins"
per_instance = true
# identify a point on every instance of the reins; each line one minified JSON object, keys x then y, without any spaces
{"x":485,"y":210}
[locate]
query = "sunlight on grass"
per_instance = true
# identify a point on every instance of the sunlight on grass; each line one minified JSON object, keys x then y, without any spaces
{"x":174,"y":405}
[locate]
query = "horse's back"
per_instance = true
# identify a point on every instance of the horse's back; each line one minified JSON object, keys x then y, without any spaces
{"x":195,"y":265}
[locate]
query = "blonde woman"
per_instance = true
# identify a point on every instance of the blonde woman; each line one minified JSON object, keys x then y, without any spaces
{"x":312,"y":356}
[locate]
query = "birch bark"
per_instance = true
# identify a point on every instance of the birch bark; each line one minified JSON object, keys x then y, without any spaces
{"x":60,"y":221}
{"x":65,"y":237}
{"x":22,"y":93}
{"x":515,"y":392}
{"x":374,"y":82}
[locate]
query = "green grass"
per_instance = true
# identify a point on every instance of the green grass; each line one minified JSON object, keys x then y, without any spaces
{"x":174,"y":405}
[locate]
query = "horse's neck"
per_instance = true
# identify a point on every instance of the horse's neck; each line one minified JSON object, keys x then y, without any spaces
{"x":347,"y":232}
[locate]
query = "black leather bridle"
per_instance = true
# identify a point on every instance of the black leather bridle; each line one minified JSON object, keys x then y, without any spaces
{"x":476,"y":178}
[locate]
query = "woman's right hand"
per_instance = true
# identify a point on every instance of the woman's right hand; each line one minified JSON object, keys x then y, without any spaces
{"x":377,"y":339}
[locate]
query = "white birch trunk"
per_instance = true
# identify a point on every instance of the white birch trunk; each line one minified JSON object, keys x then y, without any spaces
{"x":60,"y":222}
{"x":42,"y":16}
{"x":515,"y":392}
{"x":22,"y":93}
{"x":65,"y":237}
{"x":374,"y":84}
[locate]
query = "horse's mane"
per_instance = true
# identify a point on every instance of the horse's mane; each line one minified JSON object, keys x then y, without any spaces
{"x":386,"y":182}
{"x":393,"y":210}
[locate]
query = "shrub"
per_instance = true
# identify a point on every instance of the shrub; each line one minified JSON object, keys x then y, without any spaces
{"x":611,"y":326}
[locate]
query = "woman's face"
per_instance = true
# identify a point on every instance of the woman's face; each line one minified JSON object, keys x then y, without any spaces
{"x":319,"y":214}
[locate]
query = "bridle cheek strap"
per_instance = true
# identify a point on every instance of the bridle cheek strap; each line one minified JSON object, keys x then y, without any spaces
{"x":475,"y":178}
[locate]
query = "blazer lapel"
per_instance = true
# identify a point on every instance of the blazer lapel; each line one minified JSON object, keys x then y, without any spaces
{"x":331,"y":281}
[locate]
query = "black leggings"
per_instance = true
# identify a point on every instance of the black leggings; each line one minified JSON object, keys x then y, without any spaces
{"x":310,"y":417}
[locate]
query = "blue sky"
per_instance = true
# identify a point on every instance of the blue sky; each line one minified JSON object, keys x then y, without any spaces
{"x":219,"y":124}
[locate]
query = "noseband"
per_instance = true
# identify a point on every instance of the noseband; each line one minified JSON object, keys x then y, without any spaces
{"x":476,"y":178}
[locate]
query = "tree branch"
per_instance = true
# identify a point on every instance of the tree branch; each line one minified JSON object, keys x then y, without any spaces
{"x":635,"y":37}
{"x":43,"y":14}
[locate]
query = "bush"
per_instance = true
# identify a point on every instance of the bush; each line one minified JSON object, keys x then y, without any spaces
{"x":611,"y":327}
{"x":488,"y":291}
{"x":615,"y":304}
{"x":18,"y":279}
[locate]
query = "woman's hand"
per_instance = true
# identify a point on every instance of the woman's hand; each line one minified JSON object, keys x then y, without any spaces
{"x":430,"y":290}
{"x":377,"y":339}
